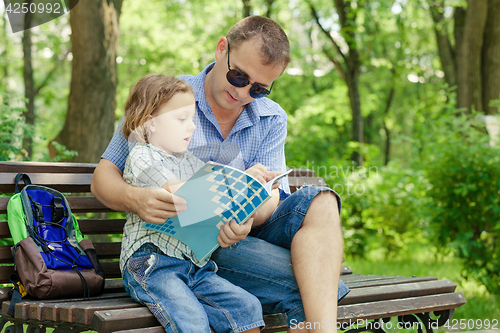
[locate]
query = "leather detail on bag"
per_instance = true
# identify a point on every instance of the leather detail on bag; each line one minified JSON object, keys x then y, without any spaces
{"x":88,"y":248}
{"x":44,"y":283}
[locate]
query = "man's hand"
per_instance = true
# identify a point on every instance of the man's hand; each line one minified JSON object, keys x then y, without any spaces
{"x":270,"y":175}
{"x":259,"y":172}
{"x":231,"y":233}
{"x":263,"y":175}
{"x":155,"y":205}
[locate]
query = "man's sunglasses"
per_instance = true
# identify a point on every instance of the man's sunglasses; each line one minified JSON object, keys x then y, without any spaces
{"x":238,"y":79}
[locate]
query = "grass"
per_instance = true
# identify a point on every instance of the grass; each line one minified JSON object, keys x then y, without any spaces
{"x":480,"y":306}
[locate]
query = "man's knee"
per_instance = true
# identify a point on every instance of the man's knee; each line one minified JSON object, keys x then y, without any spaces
{"x":324,"y":208}
{"x":325,"y":199}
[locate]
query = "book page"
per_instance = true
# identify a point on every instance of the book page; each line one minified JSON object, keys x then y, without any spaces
{"x":269,"y":185}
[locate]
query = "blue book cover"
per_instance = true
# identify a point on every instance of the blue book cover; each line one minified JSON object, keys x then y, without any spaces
{"x":214,"y":194}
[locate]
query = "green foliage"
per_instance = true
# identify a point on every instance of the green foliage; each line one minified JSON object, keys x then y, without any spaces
{"x":422,"y":262}
{"x":382,"y":209}
{"x":464,"y":204}
{"x":12,"y":129}
{"x":496,"y":104}
{"x":62,"y":154}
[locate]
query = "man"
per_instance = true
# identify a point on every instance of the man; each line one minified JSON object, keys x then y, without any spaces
{"x":291,"y":261}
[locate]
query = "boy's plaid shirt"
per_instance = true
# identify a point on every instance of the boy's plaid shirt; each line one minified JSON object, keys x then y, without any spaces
{"x":149,"y":166}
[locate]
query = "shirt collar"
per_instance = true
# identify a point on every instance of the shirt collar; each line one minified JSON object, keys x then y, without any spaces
{"x":174,"y":157}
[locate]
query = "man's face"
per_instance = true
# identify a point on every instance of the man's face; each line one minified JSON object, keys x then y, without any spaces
{"x":247,"y":60}
{"x":172,"y":126}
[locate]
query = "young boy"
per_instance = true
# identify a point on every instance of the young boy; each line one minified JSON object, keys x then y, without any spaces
{"x":184,"y":293}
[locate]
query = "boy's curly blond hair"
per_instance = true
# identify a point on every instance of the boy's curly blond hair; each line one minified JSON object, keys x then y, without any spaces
{"x":145,"y":98}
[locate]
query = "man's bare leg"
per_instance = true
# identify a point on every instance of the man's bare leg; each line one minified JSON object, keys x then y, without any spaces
{"x":316,"y":253}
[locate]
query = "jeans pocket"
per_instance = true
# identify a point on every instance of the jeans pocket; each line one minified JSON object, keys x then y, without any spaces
{"x":139,"y":265}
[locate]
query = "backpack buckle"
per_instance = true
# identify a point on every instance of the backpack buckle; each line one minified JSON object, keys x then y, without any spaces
{"x":37,"y":212}
{"x":58,"y":211}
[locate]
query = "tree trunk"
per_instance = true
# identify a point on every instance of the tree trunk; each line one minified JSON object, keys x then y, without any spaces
{"x":388,"y":102}
{"x":269,"y":4}
{"x":491,"y":57}
{"x":445,"y":49}
{"x":347,"y":18}
{"x":357,"y":117}
{"x":4,"y":55}
{"x":92,"y":99}
{"x":350,"y":68}
{"x":29,"y":85}
{"x":247,"y":7}
{"x":469,"y":74}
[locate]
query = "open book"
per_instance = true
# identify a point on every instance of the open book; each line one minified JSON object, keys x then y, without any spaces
{"x":215,"y":194}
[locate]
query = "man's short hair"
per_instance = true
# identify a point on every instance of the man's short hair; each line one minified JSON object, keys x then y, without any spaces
{"x":275,"y":48}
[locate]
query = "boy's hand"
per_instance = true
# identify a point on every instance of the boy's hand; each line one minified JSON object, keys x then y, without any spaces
{"x":259,"y":172}
{"x":231,"y":233}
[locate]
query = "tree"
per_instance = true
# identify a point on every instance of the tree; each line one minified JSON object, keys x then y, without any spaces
{"x":29,"y":86}
{"x":31,"y":90}
{"x":91,"y":105}
{"x":349,"y":65}
{"x":471,"y":60}
{"x":491,"y":57}
{"x":247,"y":8}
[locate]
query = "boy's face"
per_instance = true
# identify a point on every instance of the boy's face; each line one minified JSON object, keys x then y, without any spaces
{"x":172,"y":126}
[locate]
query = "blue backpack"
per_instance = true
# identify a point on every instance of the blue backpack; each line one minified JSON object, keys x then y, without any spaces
{"x":51,"y":258}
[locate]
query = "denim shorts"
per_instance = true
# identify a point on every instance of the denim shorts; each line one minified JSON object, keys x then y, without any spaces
{"x":261,"y":262}
{"x":187,"y":298}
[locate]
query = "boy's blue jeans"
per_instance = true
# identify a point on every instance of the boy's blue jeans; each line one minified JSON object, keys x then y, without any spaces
{"x":187,"y":298}
{"x":261,"y":262}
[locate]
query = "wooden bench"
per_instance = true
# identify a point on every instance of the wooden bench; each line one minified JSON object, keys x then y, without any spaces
{"x":372,"y":300}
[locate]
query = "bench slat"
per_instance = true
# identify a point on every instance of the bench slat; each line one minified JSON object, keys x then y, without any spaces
{"x":77,"y":204}
{"x":404,"y":290}
{"x":297,"y":182}
{"x":387,"y":281}
{"x":63,"y":182}
{"x":117,"y":320}
{"x":86,"y":205}
{"x":155,"y":329}
{"x":51,"y":311}
{"x":108,"y":250}
{"x":301,"y":173}
{"x":46,"y":167}
{"x":111,"y":320}
{"x":85,"y":314}
{"x":23,"y":309}
{"x":87,"y":227}
{"x":111,"y":269}
{"x":101,"y":226}
{"x":362,"y":277}
{"x":68,"y":312}
{"x":400,"y":307}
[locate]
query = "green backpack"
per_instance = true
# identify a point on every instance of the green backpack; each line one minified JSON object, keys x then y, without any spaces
{"x":51,"y":258}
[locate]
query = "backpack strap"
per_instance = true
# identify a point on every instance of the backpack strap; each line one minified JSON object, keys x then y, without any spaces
{"x":25,"y":178}
{"x":17,"y":293}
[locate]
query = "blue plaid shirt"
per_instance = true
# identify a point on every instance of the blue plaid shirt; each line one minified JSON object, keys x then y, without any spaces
{"x":257,"y":137}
